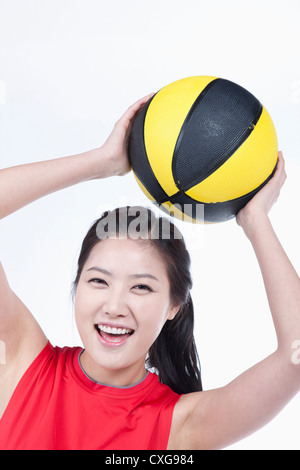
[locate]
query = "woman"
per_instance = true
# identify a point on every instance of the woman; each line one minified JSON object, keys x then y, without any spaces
{"x":133,"y":306}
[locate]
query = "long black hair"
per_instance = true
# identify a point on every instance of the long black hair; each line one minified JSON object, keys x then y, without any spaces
{"x":173,"y":355}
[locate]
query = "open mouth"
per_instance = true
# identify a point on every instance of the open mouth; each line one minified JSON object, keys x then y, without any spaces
{"x":113,"y":334}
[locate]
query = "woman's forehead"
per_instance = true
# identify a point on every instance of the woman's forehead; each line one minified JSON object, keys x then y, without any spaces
{"x":127,"y":255}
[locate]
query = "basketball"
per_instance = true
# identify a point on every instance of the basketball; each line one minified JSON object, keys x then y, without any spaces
{"x":202,"y":147}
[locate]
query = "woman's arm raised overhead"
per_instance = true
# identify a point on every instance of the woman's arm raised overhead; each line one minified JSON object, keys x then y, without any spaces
{"x":217,"y":418}
{"x":21,"y":185}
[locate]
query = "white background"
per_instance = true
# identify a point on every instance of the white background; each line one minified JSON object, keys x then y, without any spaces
{"x":68,"y":70}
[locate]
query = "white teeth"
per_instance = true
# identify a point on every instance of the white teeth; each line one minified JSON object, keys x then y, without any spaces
{"x":114,"y":331}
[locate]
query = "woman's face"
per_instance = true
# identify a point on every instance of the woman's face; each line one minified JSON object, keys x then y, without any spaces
{"x":122,"y":302}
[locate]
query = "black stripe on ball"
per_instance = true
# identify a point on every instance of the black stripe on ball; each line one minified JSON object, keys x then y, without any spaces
{"x":139,"y":159}
{"x":214,"y":212}
{"x":220,"y":120}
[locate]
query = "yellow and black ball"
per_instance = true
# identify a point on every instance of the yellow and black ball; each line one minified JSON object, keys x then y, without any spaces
{"x":202,"y":147}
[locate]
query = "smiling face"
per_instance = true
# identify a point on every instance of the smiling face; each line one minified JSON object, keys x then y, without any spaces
{"x":122,"y":302}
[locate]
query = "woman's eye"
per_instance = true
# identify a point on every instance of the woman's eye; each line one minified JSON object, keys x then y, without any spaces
{"x":98,"y":281}
{"x":143,"y":287}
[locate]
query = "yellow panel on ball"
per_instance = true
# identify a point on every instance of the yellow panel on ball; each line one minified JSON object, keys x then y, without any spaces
{"x":250,"y":165}
{"x":164,"y":119}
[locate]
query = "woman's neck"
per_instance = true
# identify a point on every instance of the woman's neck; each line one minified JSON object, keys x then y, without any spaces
{"x":124,"y":377}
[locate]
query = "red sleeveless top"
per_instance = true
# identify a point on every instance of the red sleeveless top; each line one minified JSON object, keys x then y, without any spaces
{"x":57,"y":406}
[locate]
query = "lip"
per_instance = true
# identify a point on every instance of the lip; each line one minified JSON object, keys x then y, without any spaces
{"x":112,"y":344}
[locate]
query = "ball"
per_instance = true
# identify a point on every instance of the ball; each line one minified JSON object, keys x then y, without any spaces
{"x":202,"y":147}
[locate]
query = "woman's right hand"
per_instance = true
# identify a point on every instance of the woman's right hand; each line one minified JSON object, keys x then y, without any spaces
{"x":258,"y":208}
{"x":116,"y":146}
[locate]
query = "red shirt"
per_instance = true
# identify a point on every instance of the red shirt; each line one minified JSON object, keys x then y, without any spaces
{"x":57,"y":406}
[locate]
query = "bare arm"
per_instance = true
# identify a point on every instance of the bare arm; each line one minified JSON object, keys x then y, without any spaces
{"x":24,"y":184}
{"x":220,"y":417}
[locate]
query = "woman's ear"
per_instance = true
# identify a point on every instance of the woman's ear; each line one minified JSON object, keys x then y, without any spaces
{"x":173,"y":311}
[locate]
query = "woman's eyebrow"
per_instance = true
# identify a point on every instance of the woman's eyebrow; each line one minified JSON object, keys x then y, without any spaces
{"x":101,"y":270}
{"x":136,"y":276}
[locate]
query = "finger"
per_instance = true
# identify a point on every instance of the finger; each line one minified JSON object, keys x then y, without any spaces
{"x":137,"y":106}
{"x":280,"y":164}
{"x":280,"y":174}
{"x":281,"y":161}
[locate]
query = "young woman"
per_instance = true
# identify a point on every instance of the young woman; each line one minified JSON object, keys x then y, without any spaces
{"x":134,"y":311}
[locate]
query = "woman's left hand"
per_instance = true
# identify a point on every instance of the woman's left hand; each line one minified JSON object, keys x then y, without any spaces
{"x":116,"y":146}
{"x":262,"y":202}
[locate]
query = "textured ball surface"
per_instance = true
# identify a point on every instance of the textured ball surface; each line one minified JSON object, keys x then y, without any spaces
{"x":202,"y":147}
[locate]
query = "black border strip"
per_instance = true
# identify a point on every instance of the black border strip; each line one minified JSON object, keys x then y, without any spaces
{"x":139,"y":159}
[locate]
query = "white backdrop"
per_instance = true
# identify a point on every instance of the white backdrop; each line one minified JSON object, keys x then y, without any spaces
{"x":68,"y":70}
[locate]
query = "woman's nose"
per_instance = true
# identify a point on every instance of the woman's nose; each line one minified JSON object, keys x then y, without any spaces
{"x":116,"y":305}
